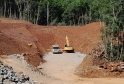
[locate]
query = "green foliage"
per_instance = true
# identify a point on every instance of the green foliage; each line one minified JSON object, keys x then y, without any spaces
{"x":111,"y":12}
{"x":70,"y":12}
{"x":61,"y":24}
{"x":122,"y":57}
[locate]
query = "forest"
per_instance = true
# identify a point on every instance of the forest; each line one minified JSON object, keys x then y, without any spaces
{"x":52,"y":12}
{"x":74,"y":13}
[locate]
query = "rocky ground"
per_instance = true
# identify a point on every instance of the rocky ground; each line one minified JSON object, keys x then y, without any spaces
{"x":52,"y":75}
{"x":21,"y":66}
{"x":9,"y":76}
{"x":95,"y":65}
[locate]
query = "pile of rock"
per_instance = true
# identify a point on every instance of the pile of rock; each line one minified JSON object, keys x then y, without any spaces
{"x":113,"y":66}
{"x":8,"y":76}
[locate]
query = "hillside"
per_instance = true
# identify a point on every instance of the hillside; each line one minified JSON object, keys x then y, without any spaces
{"x":16,"y":35}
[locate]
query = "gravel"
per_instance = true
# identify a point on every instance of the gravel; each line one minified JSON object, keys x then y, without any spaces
{"x":61,"y":65}
{"x":9,"y":76}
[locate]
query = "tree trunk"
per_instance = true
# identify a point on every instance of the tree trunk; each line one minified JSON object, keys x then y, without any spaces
{"x":14,"y":13}
{"x":1,"y":10}
{"x":28,"y":10}
{"x":25,"y":9}
{"x":118,"y":43}
{"x":10,"y":13}
{"x":111,"y":54}
{"x":79,"y":19}
{"x":122,"y":45}
{"x":82,"y":20}
{"x":118,"y":32}
{"x":70,"y":22}
{"x":85,"y":18}
{"x":90,"y":16}
{"x":106,"y":46}
{"x":20,"y":11}
{"x":47,"y":13}
{"x":73,"y":21}
{"x":5,"y":8}
{"x":19,"y":4}
{"x":34,"y":17}
{"x":38,"y":15}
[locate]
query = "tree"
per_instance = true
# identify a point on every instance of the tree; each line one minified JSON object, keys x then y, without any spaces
{"x":48,"y":13}
{"x":111,"y":14}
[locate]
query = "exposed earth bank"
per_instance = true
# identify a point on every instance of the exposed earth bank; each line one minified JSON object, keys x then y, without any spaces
{"x":21,"y":37}
{"x":32,"y":41}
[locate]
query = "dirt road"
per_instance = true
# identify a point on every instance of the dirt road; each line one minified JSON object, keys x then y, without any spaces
{"x":62,"y":66}
{"x":59,"y":69}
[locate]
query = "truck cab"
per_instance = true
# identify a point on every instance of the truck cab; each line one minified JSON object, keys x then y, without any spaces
{"x":55,"y":49}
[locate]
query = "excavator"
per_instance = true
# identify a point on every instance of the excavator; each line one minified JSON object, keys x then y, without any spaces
{"x":68,"y":48}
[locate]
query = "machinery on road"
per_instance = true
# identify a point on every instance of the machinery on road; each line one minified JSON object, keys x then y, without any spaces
{"x":68,"y":48}
{"x":55,"y":49}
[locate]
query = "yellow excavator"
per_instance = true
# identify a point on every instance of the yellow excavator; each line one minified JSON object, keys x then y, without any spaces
{"x":68,"y":48}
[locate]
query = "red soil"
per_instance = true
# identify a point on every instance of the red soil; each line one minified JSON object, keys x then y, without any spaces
{"x":14,"y":39}
{"x":82,"y":38}
{"x":15,"y":35}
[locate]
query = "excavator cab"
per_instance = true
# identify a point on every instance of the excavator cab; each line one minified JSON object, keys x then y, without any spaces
{"x":65,"y":45}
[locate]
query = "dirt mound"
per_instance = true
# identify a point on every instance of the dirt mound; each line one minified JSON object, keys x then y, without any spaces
{"x":82,"y":38}
{"x":6,"y":20}
{"x":14,"y":39}
{"x":16,"y":35}
{"x":95,"y":65}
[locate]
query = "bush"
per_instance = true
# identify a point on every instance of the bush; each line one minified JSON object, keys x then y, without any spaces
{"x":61,"y":24}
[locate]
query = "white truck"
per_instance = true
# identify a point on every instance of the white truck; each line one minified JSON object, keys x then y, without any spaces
{"x":55,"y":49}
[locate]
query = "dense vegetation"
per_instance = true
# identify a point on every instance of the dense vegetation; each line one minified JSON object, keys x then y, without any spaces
{"x":75,"y":13}
{"x":48,"y":12}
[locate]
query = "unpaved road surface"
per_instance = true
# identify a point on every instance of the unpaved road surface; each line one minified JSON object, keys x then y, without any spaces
{"x":59,"y":69}
{"x":62,"y":66}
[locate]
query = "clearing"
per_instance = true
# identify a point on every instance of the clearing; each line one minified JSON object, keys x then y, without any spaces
{"x":32,"y":41}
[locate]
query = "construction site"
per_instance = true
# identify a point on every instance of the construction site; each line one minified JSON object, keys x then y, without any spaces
{"x":29,"y":50}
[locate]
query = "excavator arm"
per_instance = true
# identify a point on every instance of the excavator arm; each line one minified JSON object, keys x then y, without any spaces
{"x":68,"y":48}
{"x":67,"y":41}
